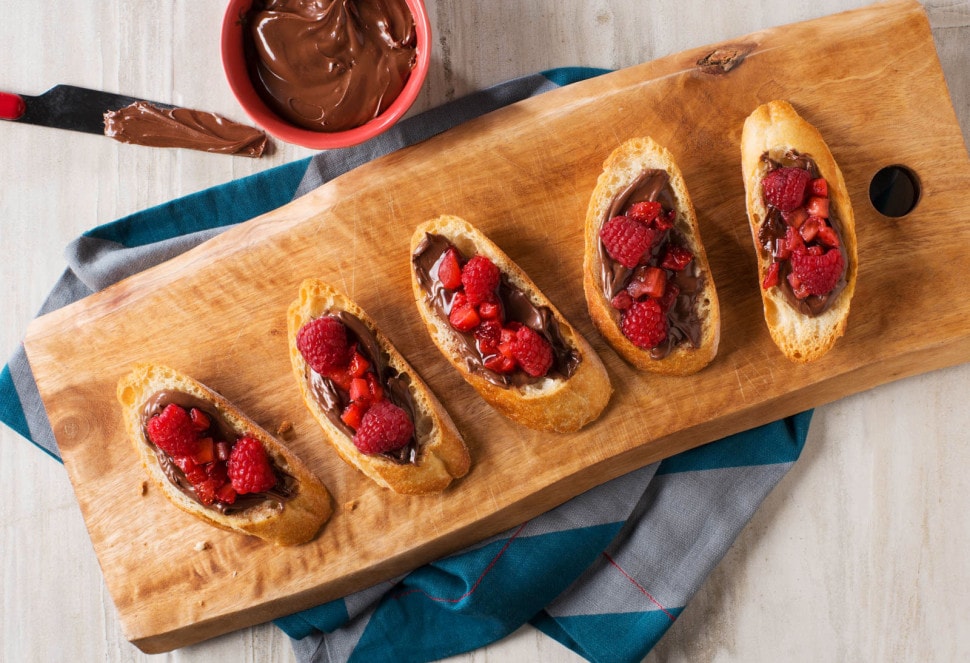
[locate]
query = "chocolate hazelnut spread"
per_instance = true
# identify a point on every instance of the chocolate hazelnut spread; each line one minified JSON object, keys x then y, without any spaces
{"x":330,"y":65}
{"x":397,"y":388}
{"x":218,"y":429}
{"x":517,"y":307}
{"x":774,"y":228}
{"x":684,"y":321}
{"x":144,"y":124}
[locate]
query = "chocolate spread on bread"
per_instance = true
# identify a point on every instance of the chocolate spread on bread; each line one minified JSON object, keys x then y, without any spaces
{"x":517,"y":307}
{"x":220,"y":430}
{"x":685,"y":323}
{"x":329,"y":66}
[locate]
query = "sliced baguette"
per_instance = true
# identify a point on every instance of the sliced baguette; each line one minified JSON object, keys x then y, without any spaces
{"x":621,"y":170}
{"x":441,"y":452}
{"x":302,"y":515}
{"x":774,"y":128}
{"x":555,"y":404}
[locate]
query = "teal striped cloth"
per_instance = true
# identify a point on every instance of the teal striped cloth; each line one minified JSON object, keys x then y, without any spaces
{"x":605,"y":574}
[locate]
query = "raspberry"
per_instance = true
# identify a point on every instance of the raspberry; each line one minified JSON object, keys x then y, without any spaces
{"x":532,"y":352}
{"x":384,"y":427}
{"x":817,"y":274}
{"x":645,"y":211}
{"x":784,"y":188}
{"x":626,"y":240}
{"x":645,"y":324}
{"x":173,"y":432}
{"x":249,"y":467}
{"x":323,"y":344}
{"x":480,"y":277}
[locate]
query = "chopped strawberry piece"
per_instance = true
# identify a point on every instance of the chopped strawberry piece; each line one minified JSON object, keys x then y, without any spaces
{"x":814,"y":250}
{"x":193,"y":473}
{"x":358,"y":364}
{"x":464,"y":318}
{"x":818,"y":207}
{"x":323,"y":344}
{"x":532,"y":352}
{"x":206,"y":491}
{"x":647,"y":282}
{"x":217,"y":471}
{"x":645,"y":324}
{"x":645,"y":211}
{"x":819,"y":274}
{"x":353,"y":414}
{"x":206,"y":452}
{"x":449,"y":269}
{"x":359,"y":390}
{"x":771,"y":276}
{"x":796,"y":217}
{"x":199,"y":419}
{"x":676,"y":258}
{"x":626,"y":240}
{"x":500,"y":364}
{"x":222,"y":451}
{"x":226,"y":493}
{"x":828,"y":236}
{"x":341,"y":377}
{"x":781,"y":250}
{"x":384,"y":427}
{"x":819,"y":187}
{"x":794,"y":241}
{"x":481,"y":279}
{"x":173,"y":432}
{"x":490,"y":310}
{"x":622,"y":300}
{"x":784,"y":188}
{"x":665,"y":221}
{"x":809,"y":229}
{"x":670,"y":296}
{"x":375,"y":388}
{"x":488,"y":335}
{"x":249,"y":467}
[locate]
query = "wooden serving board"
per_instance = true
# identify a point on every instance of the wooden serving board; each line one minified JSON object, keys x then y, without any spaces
{"x":869,"y":79}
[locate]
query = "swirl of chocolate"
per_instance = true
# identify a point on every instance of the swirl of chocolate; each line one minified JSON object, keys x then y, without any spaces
{"x":330,"y":65}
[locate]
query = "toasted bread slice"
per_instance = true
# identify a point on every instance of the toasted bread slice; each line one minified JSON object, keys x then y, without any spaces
{"x":291,"y":513}
{"x":770,"y":133}
{"x":556,"y":402}
{"x":439,"y":454}
{"x":694,"y":322}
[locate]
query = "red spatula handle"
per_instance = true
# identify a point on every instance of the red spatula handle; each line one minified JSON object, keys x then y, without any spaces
{"x":11,"y":106}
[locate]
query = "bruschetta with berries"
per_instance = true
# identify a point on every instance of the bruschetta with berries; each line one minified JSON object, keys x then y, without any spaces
{"x":646,"y":277}
{"x":502,"y":335}
{"x":803,"y":228}
{"x":375,"y":410}
{"x":214,"y":462}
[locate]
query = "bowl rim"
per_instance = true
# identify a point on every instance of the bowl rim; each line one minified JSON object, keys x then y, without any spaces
{"x":234,"y":66}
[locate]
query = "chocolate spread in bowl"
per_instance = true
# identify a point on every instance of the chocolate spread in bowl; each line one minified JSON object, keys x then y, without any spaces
{"x":774,"y":228}
{"x":684,"y":321}
{"x":329,"y":66}
{"x":397,"y":388}
{"x":219,"y":429}
{"x":517,"y":308}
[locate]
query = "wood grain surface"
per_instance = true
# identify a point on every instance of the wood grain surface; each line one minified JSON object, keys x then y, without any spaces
{"x":523,"y":175}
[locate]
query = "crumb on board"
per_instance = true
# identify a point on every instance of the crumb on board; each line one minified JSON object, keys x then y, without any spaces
{"x":285,"y":427}
{"x":201,"y":545}
{"x":144,"y":488}
{"x":351,"y":505}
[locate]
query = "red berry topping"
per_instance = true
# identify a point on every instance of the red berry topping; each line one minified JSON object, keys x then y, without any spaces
{"x":488,"y":335}
{"x":622,"y":300}
{"x":771,"y":276}
{"x":647,"y":282}
{"x":676,"y":258}
{"x":665,"y":221}
{"x":480,"y":277}
{"x":645,"y":212}
{"x":532,"y":352}
{"x":463,"y":316}
{"x":645,"y":324}
{"x":449,"y":269}
{"x":323,"y":344}
{"x":384,"y":427}
{"x":173,"y":432}
{"x":818,"y":207}
{"x":626,"y":240}
{"x":819,"y":187}
{"x":784,"y":188}
{"x":199,"y":419}
{"x":249,"y":468}
{"x":817,"y":274}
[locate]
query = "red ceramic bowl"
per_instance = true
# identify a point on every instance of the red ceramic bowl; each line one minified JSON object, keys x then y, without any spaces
{"x":234,"y":64}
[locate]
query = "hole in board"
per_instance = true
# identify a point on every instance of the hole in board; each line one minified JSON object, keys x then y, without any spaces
{"x":894,"y":191}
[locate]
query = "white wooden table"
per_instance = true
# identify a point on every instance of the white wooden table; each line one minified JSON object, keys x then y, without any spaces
{"x":859,"y":554}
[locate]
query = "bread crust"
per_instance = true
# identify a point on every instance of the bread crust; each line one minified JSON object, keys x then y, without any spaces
{"x":442,"y":455}
{"x":302,"y":516}
{"x":561,"y":405}
{"x":621,"y":169}
{"x":776,"y":127}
